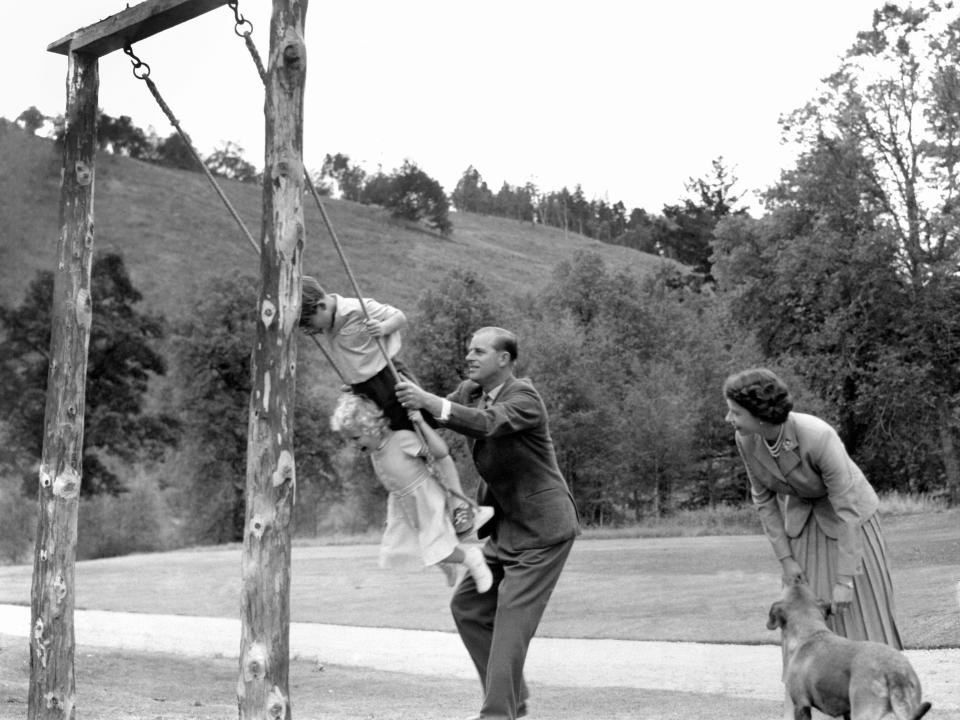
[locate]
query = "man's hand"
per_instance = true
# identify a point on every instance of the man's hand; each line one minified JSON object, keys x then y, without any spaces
{"x":841,"y":597}
{"x":411,"y":396}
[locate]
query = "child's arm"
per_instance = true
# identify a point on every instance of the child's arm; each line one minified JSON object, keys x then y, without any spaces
{"x":440,"y":452}
{"x":435,"y":444}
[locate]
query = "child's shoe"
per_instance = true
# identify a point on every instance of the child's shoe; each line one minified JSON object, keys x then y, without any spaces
{"x":482,"y":516}
{"x":477,"y":567}
{"x":462,"y":518}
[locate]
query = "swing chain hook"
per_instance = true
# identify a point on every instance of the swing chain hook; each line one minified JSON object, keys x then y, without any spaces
{"x":243,"y":27}
{"x":137,"y":64}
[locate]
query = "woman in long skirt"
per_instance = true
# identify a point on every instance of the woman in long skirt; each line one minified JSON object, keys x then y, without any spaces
{"x":817,"y":508}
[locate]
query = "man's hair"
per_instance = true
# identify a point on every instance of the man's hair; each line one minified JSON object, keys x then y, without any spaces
{"x":761,"y":392}
{"x":311,"y":296}
{"x":355,"y":412}
{"x":503,"y":340}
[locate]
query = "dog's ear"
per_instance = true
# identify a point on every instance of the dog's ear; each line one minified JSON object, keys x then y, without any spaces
{"x":776,"y":618}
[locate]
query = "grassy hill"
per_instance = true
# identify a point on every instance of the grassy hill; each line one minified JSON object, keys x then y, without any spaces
{"x":174,"y":234}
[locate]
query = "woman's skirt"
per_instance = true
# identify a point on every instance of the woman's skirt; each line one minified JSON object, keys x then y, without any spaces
{"x":871,"y":613}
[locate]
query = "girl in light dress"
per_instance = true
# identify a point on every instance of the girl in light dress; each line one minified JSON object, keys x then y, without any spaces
{"x":418,"y":529}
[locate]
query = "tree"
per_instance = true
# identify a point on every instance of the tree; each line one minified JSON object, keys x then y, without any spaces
{"x":888,"y":121}
{"x":175,"y":152}
{"x":121,"y":364}
{"x":349,"y":178}
{"x":31,"y":119}
{"x":685,"y":231}
{"x":448,"y":314}
{"x":228,"y":162}
{"x":376,"y":191}
{"x":213,"y":368}
{"x":414,"y":195}
{"x":213,"y":358}
{"x":612,"y":363}
{"x":122,"y":137}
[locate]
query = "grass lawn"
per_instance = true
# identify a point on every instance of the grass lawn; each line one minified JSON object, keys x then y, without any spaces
{"x":710,"y":589}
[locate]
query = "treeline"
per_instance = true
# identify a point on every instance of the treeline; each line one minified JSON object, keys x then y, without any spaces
{"x":682,"y":232}
{"x":121,"y":136}
{"x":407,"y":192}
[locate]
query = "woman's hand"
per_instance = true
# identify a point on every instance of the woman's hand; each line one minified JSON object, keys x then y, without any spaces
{"x":792,"y":572}
{"x":841,"y":597}
{"x":416,"y":417}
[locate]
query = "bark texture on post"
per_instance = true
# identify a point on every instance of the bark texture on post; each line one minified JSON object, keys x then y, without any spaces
{"x":52,"y":681}
{"x":263,"y":685}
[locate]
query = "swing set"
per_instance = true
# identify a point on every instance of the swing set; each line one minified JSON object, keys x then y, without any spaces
{"x":263,"y":685}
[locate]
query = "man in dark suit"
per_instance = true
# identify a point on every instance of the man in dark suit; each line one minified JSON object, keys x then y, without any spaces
{"x":535,"y":520}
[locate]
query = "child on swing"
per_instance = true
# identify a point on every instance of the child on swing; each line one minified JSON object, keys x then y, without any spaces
{"x":418,"y":529}
{"x":351,"y":340}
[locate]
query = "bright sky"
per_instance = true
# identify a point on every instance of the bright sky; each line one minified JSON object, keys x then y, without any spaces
{"x":627,"y":98}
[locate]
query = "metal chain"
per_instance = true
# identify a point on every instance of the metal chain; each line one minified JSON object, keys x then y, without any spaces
{"x":240,"y":19}
{"x":137,"y":64}
{"x":244,"y":28}
{"x":145,"y":76}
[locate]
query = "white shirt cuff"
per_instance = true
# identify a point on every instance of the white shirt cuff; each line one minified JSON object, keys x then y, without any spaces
{"x":444,"y":410}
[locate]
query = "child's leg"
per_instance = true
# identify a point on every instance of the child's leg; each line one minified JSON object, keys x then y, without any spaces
{"x":405,"y":373}
{"x":381,"y":390}
{"x":471,"y":555}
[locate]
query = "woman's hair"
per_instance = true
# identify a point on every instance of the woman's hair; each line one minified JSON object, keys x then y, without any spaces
{"x":761,"y":392}
{"x":355,"y":412}
{"x":311,"y":296}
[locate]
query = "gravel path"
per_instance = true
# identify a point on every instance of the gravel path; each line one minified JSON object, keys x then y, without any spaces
{"x":747,"y":671}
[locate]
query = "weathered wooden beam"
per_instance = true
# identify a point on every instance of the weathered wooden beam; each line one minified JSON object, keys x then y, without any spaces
{"x":263,"y":688}
{"x":52,"y":681}
{"x":130,"y":25}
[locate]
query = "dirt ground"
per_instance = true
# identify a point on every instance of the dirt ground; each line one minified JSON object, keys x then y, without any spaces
{"x":167,"y":667}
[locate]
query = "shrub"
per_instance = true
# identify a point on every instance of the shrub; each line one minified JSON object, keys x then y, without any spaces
{"x":112,"y":525}
{"x":17,"y":526}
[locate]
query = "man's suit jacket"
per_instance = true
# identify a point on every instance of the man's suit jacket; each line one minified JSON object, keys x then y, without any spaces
{"x":515,"y":457}
{"x":813,"y":475}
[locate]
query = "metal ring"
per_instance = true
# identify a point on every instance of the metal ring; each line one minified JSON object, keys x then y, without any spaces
{"x":141,"y":74}
{"x":240,"y":23}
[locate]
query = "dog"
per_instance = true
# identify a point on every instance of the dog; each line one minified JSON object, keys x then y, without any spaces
{"x":858,"y":680}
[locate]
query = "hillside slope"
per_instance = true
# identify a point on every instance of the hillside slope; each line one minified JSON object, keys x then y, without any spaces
{"x":175,"y":234}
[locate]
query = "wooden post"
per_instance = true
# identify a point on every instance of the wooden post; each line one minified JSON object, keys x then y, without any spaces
{"x":263,"y":685}
{"x":52,"y":682}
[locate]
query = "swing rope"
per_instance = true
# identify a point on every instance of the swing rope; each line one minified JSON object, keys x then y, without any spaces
{"x":244,"y":28}
{"x":144,"y":75}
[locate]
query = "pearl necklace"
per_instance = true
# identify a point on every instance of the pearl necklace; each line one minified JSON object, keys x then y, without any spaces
{"x":777,"y":446}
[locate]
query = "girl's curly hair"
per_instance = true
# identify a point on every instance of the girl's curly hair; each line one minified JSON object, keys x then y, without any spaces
{"x":355,"y":412}
{"x":761,"y":392}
